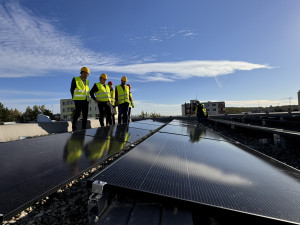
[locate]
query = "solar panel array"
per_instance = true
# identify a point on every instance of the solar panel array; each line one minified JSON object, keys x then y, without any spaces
{"x":32,"y":168}
{"x":187,"y":161}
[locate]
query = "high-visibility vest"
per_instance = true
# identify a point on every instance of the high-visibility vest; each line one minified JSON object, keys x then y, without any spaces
{"x":103,"y":93}
{"x":81,"y":92}
{"x":131,"y":104}
{"x":204,"y":111}
{"x":123,"y":95}
{"x":112,"y":97}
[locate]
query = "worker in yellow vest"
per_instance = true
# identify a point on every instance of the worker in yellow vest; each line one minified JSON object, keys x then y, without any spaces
{"x":112,"y":101}
{"x":131,"y":103}
{"x":102,"y":98}
{"x":122,"y":100}
{"x":200,"y":112}
{"x":80,"y":92}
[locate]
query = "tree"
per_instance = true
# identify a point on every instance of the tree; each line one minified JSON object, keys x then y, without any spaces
{"x":143,"y":115}
{"x":154,"y":115}
{"x":3,"y":113}
{"x":8,"y":115}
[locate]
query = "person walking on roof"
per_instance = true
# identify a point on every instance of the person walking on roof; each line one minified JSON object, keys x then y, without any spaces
{"x":80,"y":92}
{"x":122,"y":100}
{"x":102,"y":92}
{"x":200,"y":112}
{"x":131,"y":103}
{"x":112,"y":101}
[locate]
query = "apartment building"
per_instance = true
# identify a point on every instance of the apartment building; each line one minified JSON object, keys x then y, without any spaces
{"x":67,"y":106}
{"x":212,"y":108}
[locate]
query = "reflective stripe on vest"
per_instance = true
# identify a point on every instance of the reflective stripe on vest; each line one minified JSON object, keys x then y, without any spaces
{"x":103,"y":93}
{"x":123,"y":96}
{"x":81,"y":91}
{"x":112,"y":97}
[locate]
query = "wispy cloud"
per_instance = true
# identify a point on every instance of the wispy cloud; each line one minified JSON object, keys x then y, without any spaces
{"x":32,"y":46}
{"x":164,"y":34}
{"x":260,"y":103}
{"x":183,"y":70}
{"x":35,"y":101}
{"x":36,"y":93}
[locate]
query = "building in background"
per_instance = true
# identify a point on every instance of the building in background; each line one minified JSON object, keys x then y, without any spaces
{"x":299,"y":100}
{"x":67,"y":107}
{"x":212,"y":108}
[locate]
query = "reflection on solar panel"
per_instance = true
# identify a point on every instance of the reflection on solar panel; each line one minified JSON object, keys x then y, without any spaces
{"x":29,"y":169}
{"x":209,"y":172}
{"x":193,"y":130}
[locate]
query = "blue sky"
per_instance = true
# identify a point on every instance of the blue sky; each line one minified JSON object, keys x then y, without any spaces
{"x":245,"y":53}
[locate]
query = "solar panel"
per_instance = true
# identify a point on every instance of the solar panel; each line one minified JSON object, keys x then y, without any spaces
{"x":33,"y":167}
{"x":193,"y":130}
{"x":147,"y":124}
{"x":209,"y":172}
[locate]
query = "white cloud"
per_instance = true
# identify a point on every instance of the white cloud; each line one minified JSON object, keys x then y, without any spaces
{"x":36,"y":101}
{"x":37,"y":93}
{"x":261,"y":103}
{"x":183,"y":70}
{"x":32,"y":46}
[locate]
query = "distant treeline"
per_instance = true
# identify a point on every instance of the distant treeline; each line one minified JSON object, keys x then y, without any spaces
{"x":284,"y":108}
{"x":13,"y":115}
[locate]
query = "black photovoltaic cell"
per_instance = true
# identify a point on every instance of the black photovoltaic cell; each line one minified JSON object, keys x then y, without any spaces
{"x":194,"y":130}
{"x":31,"y":168}
{"x":210,"y":172}
{"x":149,"y":122}
{"x":146,"y":124}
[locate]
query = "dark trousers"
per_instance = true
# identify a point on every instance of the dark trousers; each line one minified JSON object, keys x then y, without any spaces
{"x":129,"y":113}
{"x":80,"y":106}
{"x":113,"y":119}
{"x":104,"y":109}
{"x":200,"y":117}
{"x":123,"y":113}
